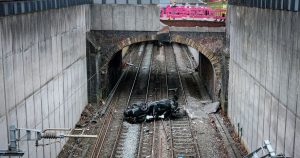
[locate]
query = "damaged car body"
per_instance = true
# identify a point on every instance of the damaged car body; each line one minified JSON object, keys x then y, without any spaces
{"x":140,"y":112}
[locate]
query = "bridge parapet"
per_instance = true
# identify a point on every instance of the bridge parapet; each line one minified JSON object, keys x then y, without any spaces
{"x":126,"y":1}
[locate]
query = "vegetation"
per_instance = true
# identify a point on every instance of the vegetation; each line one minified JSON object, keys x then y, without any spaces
{"x":221,"y":4}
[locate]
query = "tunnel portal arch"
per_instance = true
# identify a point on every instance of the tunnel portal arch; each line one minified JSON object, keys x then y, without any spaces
{"x":213,"y":58}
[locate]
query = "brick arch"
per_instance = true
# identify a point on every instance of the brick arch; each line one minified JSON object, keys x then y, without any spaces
{"x":132,"y":40}
{"x":209,"y":54}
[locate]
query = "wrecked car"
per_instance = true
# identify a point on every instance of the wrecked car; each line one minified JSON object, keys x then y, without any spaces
{"x":140,"y":112}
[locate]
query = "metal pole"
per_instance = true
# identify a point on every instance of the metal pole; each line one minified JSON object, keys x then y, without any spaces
{"x":12,"y":138}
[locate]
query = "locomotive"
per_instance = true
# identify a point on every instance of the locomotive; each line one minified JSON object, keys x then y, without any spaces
{"x":140,"y":112}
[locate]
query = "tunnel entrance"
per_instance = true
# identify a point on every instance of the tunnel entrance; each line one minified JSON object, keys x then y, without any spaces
{"x":206,"y":73}
{"x":114,"y":70}
{"x":190,"y":62}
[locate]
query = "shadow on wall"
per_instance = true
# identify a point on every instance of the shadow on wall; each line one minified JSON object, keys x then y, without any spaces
{"x":206,"y":73}
{"x":114,"y":71}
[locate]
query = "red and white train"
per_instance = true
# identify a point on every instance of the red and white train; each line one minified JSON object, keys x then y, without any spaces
{"x":192,"y":13}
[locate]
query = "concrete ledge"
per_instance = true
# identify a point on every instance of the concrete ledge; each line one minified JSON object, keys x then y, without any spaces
{"x":290,"y":5}
{"x":197,"y":29}
{"x":21,"y":7}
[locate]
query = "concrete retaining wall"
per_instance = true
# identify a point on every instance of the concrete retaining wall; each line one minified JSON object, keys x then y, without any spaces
{"x":125,"y":17}
{"x":42,"y":73}
{"x":264,"y":87}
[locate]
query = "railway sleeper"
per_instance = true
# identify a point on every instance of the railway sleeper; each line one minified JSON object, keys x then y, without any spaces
{"x":181,"y":136}
{"x":185,"y":144}
{"x":177,"y":121}
{"x":186,"y":155}
{"x":184,"y":150}
{"x":182,"y":140}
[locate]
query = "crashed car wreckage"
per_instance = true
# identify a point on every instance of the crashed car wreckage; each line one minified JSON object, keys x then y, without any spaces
{"x":140,"y":112}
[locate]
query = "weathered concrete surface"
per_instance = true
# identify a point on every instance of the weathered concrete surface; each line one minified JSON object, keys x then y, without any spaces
{"x":42,"y":60}
{"x":264,"y":77}
{"x":125,"y":17}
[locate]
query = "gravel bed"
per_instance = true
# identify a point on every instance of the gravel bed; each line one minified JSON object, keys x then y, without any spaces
{"x":131,"y":140}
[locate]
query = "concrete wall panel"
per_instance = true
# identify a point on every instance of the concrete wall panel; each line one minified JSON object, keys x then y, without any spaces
{"x":107,"y":14}
{"x":21,"y":116}
{"x":27,"y":58}
{"x":276,"y":56}
{"x":290,"y":134}
{"x":35,"y":67}
{"x":121,"y":1}
{"x":145,"y":1}
{"x":51,"y":96}
{"x":97,"y":20}
{"x":19,"y":76}
{"x":132,"y":1}
{"x":9,"y":82}
{"x":3,"y":133}
{"x":54,"y":56}
{"x":255,"y":117}
{"x":44,"y":99}
{"x":125,"y":17}
{"x":261,"y":116}
{"x":38,"y":108}
{"x":266,"y":51}
{"x":16,"y":30}
{"x":118,"y":17}
{"x":6,"y":36}
{"x":269,"y":63}
{"x":42,"y":62}
{"x":110,"y":1}
{"x":267,"y":115}
{"x":12,"y":117}
{"x":25,"y":38}
{"x":30,"y":112}
{"x":142,"y":13}
{"x":280,"y":128}
{"x":2,"y":91}
{"x":286,"y":57}
{"x":52,"y":141}
{"x":297,"y":139}
{"x":130,"y":16}
{"x":38,"y":48}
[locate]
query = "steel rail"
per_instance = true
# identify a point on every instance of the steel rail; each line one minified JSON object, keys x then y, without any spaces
{"x":154,"y":121}
{"x":127,"y":103}
{"x":161,"y":88}
{"x":107,"y":121}
{"x":186,"y":103}
{"x":146,"y":100}
{"x":167,"y":85}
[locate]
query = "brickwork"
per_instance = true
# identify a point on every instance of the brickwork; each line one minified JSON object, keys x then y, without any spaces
{"x":211,"y":45}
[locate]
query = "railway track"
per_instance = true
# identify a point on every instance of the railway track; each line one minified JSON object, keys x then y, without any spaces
{"x":190,"y":81}
{"x":113,"y":116}
{"x":149,"y":130}
{"x":183,"y":142}
{"x":152,"y":81}
{"x":137,"y":94}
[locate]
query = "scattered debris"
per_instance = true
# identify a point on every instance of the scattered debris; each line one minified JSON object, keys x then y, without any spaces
{"x":212,"y":107}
